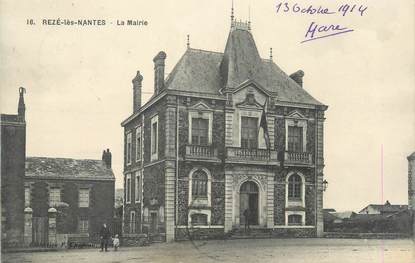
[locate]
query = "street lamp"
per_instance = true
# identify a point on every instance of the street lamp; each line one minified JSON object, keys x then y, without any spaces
{"x":325,"y":185}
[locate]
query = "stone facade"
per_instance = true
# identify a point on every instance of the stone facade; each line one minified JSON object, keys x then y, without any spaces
{"x":170,"y":200}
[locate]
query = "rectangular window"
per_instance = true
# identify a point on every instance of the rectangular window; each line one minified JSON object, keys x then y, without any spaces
{"x":199,"y":219}
{"x":132,"y":222}
{"x":295,"y":139}
{"x":154,"y":138}
{"x":138,"y":144}
{"x":27,"y":197}
{"x":200,"y":131}
{"x":83,"y":225}
{"x":137,"y":186}
{"x":295,"y":220}
{"x":54,"y":196}
{"x":83,"y":197}
{"x":128,"y":148}
{"x":249,"y":132}
{"x":128,"y":189}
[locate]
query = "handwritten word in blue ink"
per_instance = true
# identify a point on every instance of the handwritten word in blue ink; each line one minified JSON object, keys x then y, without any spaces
{"x":295,"y":8}
{"x":316,"y":31}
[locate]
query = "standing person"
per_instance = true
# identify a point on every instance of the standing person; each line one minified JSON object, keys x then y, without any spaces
{"x":105,"y":235}
{"x":247,"y":216}
{"x":116,"y":242}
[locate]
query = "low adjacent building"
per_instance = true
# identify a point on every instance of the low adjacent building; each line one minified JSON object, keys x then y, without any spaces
{"x":78,"y":193}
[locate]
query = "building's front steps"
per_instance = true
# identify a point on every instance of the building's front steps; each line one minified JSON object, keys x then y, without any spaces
{"x":252,"y":233}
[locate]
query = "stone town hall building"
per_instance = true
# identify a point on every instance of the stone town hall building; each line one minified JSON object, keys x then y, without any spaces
{"x":196,"y":156}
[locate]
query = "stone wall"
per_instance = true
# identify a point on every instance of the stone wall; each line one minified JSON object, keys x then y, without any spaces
{"x":13,"y":156}
{"x":293,"y":232}
{"x":217,"y":191}
{"x":280,"y":194}
{"x":199,"y":233}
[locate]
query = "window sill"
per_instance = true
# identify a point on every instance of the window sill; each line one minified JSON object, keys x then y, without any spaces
{"x":200,"y":207}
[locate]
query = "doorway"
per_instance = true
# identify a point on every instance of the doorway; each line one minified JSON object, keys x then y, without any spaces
{"x":40,"y":227}
{"x":153,"y":222}
{"x":249,"y":201}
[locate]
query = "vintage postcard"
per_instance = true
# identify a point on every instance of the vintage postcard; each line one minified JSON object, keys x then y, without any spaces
{"x":207,"y":131}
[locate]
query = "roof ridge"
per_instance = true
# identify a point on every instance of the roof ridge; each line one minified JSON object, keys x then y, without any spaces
{"x":45,"y":157}
{"x":204,"y":50}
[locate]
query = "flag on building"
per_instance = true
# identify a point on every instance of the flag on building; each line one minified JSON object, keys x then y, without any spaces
{"x":264,"y":126}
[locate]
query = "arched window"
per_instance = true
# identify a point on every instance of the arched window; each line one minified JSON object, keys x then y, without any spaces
{"x":294,"y":187}
{"x":199,"y":184}
{"x":295,"y":220}
{"x":199,"y":219}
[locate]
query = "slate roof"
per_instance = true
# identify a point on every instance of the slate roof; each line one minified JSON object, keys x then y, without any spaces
{"x":66,"y":168}
{"x":208,"y":72}
{"x":412,"y":156}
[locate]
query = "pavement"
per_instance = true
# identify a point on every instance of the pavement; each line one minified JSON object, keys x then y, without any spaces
{"x":246,"y":250}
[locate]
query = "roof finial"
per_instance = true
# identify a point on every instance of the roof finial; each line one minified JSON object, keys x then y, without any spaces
{"x":270,"y":53}
{"x":232,"y":17}
{"x":188,"y":41}
{"x":21,"y":108}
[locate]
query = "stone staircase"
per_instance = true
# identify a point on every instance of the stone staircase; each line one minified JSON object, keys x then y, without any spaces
{"x":253,"y":233}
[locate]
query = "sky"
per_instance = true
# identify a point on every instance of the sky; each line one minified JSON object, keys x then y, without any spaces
{"x":79,"y":90}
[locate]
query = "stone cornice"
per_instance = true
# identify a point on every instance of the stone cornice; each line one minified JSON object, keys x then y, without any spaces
{"x":12,"y":123}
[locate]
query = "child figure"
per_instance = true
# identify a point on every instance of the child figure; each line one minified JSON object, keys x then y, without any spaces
{"x":116,"y":242}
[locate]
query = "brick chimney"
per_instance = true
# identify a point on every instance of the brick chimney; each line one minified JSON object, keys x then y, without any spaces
{"x":107,"y":158}
{"x":159,"y":72}
{"x":21,"y":109}
{"x":137,"y":80}
{"x":298,"y":77}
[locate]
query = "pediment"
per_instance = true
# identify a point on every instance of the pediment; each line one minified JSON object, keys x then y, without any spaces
{"x":253,"y":85}
{"x":200,"y":106}
{"x":295,"y":114}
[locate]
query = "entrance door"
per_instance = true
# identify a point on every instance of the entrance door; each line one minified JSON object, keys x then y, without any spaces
{"x":248,"y":201}
{"x":153,"y":222}
{"x":40,"y":231}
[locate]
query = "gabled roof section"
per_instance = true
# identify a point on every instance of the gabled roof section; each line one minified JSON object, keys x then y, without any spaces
{"x":241,"y":59}
{"x":196,"y":71}
{"x":66,"y":168}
